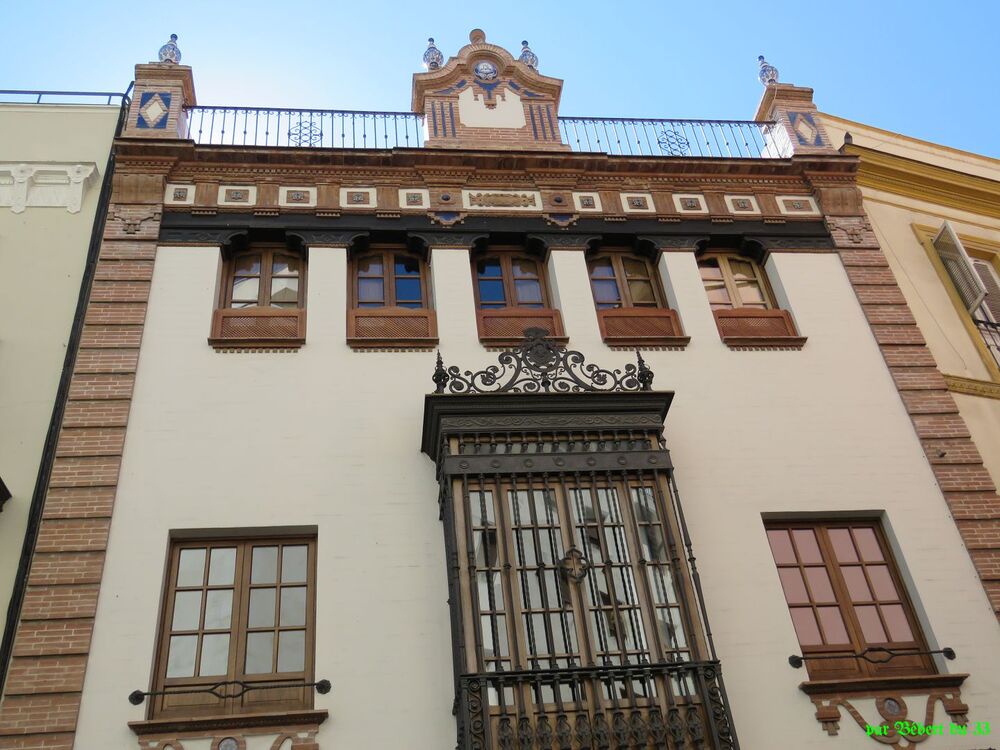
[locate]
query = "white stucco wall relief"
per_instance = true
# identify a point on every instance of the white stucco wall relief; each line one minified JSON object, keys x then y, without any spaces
{"x":45,"y":184}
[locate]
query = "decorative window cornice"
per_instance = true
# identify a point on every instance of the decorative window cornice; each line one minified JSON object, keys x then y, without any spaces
{"x":45,"y":184}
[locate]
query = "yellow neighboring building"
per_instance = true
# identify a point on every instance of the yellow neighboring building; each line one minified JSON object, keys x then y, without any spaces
{"x":936,"y":213}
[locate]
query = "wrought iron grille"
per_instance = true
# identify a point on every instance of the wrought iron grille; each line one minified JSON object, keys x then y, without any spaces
{"x":990,"y":332}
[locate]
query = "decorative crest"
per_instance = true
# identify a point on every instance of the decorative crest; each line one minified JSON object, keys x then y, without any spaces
{"x":540,"y":366}
{"x":432,"y":56}
{"x":528,"y":57}
{"x":169,"y":52}
{"x":768,"y":74}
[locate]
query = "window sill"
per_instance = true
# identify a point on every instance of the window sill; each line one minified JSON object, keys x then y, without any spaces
{"x":649,"y":327}
{"x":746,"y":328}
{"x":229,"y":721}
{"x":504,"y":327}
{"x":858,"y":685}
{"x":392,"y":328}
{"x":258,"y":328}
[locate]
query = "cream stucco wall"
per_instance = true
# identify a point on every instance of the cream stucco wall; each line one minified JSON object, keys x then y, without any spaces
{"x":42,"y":255}
{"x":330,"y":437}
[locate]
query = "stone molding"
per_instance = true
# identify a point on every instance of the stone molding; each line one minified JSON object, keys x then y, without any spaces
{"x":45,"y":184}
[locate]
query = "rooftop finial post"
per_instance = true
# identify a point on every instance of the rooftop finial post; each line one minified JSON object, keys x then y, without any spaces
{"x":528,"y":57}
{"x":432,"y":56}
{"x":768,"y":74}
{"x":169,"y":52}
{"x":477,"y":36}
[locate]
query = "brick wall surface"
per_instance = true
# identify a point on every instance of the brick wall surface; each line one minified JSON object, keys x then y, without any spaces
{"x":44,"y":684}
{"x":954,"y":458}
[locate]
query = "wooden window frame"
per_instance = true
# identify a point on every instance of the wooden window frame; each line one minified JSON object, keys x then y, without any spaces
{"x":390,"y":326}
{"x":745,"y":327}
{"x":630,"y":325}
{"x":503,"y":326}
{"x":255,"y":327}
{"x":295,"y":697}
{"x":851,"y":668}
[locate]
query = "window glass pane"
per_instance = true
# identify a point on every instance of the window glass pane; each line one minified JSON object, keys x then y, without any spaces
{"x":602,"y":269}
{"x":882,"y":582}
{"x":180,"y":657}
{"x":710,"y":270}
{"x":662,"y":584}
{"x":819,"y":585}
{"x":833,"y":625}
{"x":371,"y":291}
{"x":265,"y":565}
{"x":488,"y":267}
{"x":895,"y":620}
{"x":781,"y":546}
{"x":857,"y":586}
{"x":805,"y":543}
{"x":750,"y":293}
{"x":261,"y":608}
{"x":285,"y":264}
{"x":635,"y":267}
{"x":606,"y":292}
{"x":284,"y":290}
{"x":370,"y":266}
{"x":260,"y":648}
{"x":742,"y":270}
{"x":491,"y":292}
{"x":486,"y":627}
{"x":805,"y":626}
{"x":292,"y":651}
{"x":407,"y":265}
{"x":793,"y":586}
{"x":246,"y":289}
{"x":214,"y":654}
{"x":247,"y":265}
{"x":642,"y":292}
{"x":871,"y":626}
{"x":222,"y":566}
{"x":293,"y":606}
{"x":408,"y":290}
{"x":843,"y":548}
{"x":191,"y":567}
{"x":293,"y":563}
{"x":868,"y":545}
{"x":718,"y":294}
{"x":218,"y":609}
{"x":529,"y":292}
{"x":671,"y":629}
{"x":523,"y":267}
{"x":187,"y":610}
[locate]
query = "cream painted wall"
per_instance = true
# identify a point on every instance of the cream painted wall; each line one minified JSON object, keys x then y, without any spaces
{"x":42,"y":256}
{"x":330,"y":437}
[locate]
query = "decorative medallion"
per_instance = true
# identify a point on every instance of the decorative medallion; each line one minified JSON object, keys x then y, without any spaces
{"x":180,"y":194}
{"x":414,"y":199}
{"x":742,"y":204}
{"x":518,"y":200}
{"x":297,"y":196}
{"x":357,"y":197}
{"x":169,"y":52}
{"x":485,"y":70}
{"x":638,"y":202}
{"x":237,"y":195}
{"x":797,"y":204}
{"x":690,"y":203}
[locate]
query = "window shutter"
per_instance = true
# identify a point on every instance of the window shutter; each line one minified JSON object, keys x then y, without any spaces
{"x":959,"y":267}
{"x":989,"y":279}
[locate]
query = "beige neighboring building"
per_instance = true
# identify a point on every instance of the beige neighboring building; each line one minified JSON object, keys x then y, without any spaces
{"x":53,"y":162}
{"x":936,"y":213}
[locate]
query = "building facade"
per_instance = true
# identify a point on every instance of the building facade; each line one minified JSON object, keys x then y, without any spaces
{"x":490,"y":423}
{"x":54,"y":160}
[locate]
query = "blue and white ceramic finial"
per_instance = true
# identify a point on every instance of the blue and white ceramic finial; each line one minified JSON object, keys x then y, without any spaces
{"x":768,"y":74}
{"x":528,"y":57}
{"x":169,"y":52}
{"x":432,"y":56}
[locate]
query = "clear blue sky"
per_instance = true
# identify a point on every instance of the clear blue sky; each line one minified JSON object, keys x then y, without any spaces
{"x":922,"y":68}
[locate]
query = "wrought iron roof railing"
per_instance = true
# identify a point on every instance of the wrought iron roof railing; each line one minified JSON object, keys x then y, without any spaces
{"x":331,"y":128}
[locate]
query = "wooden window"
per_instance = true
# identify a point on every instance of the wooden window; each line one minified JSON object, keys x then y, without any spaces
{"x":512,"y":295}
{"x":733,"y":281}
{"x":844,"y":595}
{"x":262,"y":299}
{"x":389,"y":300}
{"x":237,"y":610}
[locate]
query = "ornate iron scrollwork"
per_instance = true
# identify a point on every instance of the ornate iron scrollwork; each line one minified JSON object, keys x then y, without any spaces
{"x":574,"y":565}
{"x":540,"y":366}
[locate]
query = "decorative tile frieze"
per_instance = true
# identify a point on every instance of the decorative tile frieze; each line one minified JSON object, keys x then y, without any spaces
{"x":237,"y":195}
{"x":358,"y":197}
{"x":414,"y":198}
{"x":797,"y":205}
{"x":641,"y":203}
{"x":508,"y":200}
{"x":690,"y":203}
{"x":297,"y":197}
{"x":587,"y":201}
{"x":742,"y":204}
{"x":178,"y":195}
{"x":45,"y":185}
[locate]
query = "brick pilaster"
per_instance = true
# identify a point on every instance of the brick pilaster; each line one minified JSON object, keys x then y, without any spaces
{"x":954,"y":458}
{"x":52,"y":642}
